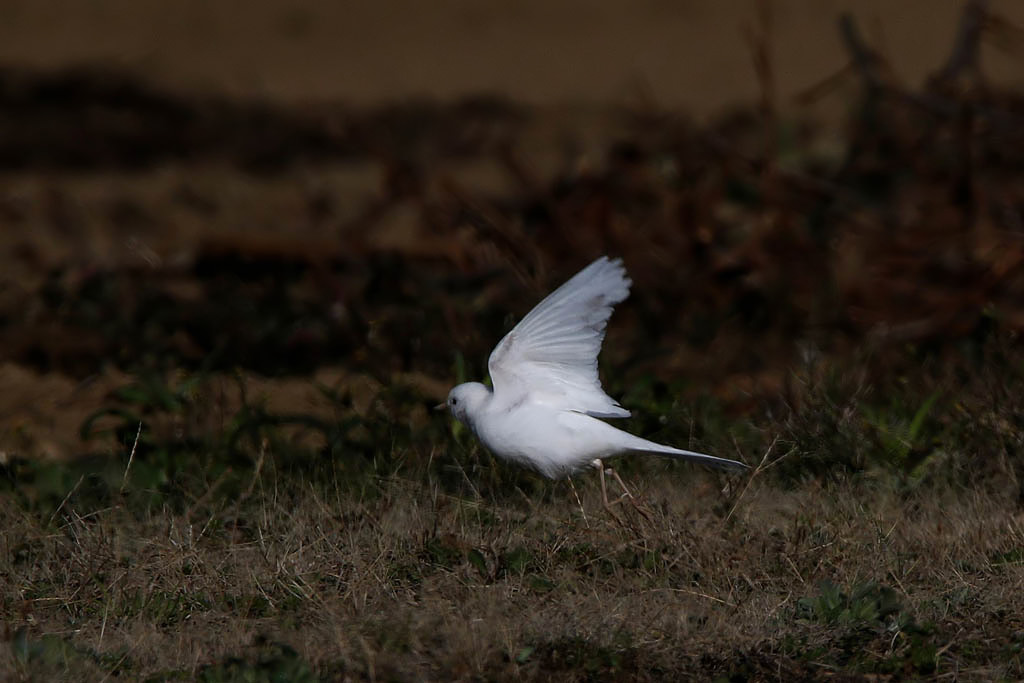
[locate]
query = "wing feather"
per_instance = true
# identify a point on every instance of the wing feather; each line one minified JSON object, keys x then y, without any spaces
{"x":552,"y":353}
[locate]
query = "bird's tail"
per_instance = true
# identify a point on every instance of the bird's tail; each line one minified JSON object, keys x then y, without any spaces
{"x":645,"y":446}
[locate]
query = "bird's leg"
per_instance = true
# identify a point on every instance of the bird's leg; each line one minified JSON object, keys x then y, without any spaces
{"x":579,"y":502}
{"x":625,"y":491}
{"x":626,"y":494}
{"x":596,"y":462}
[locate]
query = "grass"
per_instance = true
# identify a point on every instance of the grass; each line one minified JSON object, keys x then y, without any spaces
{"x":416,"y":584}
{"x":405,"y":561}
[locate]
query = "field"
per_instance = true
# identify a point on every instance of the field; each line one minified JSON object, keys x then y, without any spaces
{"x":226,"y":320}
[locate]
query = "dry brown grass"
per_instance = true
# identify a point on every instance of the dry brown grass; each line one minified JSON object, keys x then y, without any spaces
{"x":413,"y":584}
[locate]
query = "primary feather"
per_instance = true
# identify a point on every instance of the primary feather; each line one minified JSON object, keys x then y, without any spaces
{"x":551,"y":355}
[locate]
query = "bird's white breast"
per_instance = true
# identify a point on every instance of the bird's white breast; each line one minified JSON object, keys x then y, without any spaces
{"x":533,"y":435}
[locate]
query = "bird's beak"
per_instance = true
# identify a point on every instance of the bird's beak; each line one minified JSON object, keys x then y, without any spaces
{"x":440,"y":406}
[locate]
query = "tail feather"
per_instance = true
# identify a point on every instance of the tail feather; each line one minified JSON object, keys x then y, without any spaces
{"x":692,"y":456}
{"x":624,"y":443}
{"x":638,"y":445}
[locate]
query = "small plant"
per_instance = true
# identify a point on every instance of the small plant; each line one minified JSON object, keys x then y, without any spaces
{"x":869,"y":604}
{"x":274,"y":662}
{"x":871,"y":613}
{"x":903,"y":438}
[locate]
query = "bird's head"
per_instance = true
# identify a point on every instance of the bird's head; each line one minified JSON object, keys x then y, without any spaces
{"x":466,"y":399}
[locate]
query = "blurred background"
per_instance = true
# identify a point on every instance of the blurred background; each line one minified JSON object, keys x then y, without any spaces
{"x":369,"y":193}
{"x":323,"y":200}
{"x":690,"y":55}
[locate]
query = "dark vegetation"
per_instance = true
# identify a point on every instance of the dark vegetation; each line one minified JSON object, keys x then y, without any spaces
{"x":256,"y":489}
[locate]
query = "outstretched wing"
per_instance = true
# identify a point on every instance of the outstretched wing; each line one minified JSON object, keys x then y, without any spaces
{"x":551,"y":355}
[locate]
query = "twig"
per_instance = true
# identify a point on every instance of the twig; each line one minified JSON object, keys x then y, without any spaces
{"x":468,"y":481}
{"x":103,"y":626}
{"x":875,"y":73}
{"x":131,"y":457}
{"x":759,"y":42}
{"x":264,"y":445}
{"x":792,"y":566}
{"x":114,"y":668}
{"x":699,"y":595}
{"x":209,"y":493}
{"x":757,"y":470}
{"x":496,"y":230}
{"x":66,"y":498}
{"x":865,"y":60}
{"x":579,"y":502}
{"x":968,"y":39}
{"x":828,"y":84}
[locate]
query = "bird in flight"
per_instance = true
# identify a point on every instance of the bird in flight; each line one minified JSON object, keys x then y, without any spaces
{"x":547,"y":409}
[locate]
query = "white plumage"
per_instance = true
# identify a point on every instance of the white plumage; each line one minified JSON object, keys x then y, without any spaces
{"x":547,"y":398}
{"x":551,"y":355}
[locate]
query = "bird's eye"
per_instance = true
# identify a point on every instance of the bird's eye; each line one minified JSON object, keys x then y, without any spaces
{"x":454,"y":401}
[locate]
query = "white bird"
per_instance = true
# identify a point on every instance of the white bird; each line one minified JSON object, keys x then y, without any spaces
{"x":545,"y":412}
